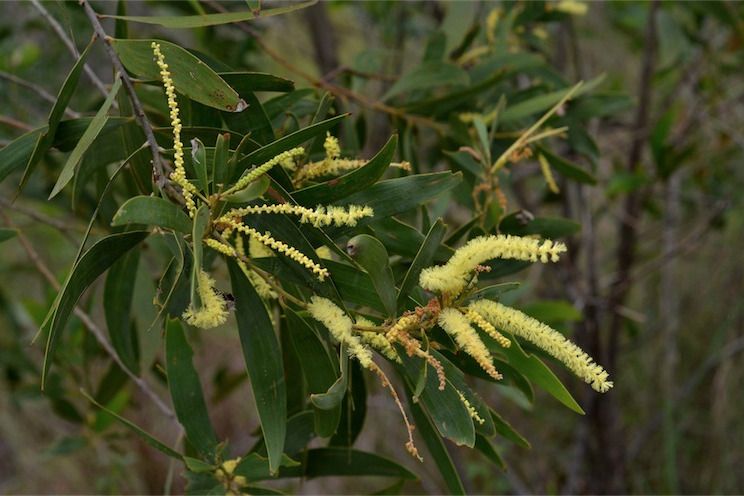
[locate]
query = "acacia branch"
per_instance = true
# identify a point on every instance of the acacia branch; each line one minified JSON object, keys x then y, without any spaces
{"x":139,"y":112}
{"x":38,"y":90}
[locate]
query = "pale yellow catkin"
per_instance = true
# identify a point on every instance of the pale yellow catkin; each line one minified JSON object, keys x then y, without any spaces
{"x":478,"y":320}
{"x":262,"y":169}
{"x":178,"y":175}
{"x":213,"y":310}
{"x":318,"y":217}
{"x":377,"y":341}
{"x":467,"y":338}
{"x":288,"y":251}
{"x":341,"y":328}
{"x":547,"y":338}
{"x":453,"y":276}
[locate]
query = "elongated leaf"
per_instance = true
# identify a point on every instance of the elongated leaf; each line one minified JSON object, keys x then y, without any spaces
{"x":45,"y":139}
{"x":191,"y":76}
{"x":186,"y":392}
{"x":146,"y":437}
{"x":248,"y":82}
{"x":437,"y":450}
{"x":373,"y":257}
{"x":199,"y":21}
{"x":483,"y":444}
{"x":117,"y":304}
{"x":447,"y":411}
{"x":318,"y":369}
{"x":424,"y":258}
{"x":92,"y":264}
{"x":90,"y":134}
{"x":568,"y":169}
{"x":507,"y":431}
{"x":350,"y":183}
{"x":548,"y":227}
{"x":394,"y":196}
{"x":199,"y":163}
{"x":152,"y":211}
{"x":198,"y":229}
{"x":536,"y":371}
{"x":263,"y":361}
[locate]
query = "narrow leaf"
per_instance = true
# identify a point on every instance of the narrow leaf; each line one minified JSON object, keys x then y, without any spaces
{"x":152,"y":211}
{"x":263,"y":361}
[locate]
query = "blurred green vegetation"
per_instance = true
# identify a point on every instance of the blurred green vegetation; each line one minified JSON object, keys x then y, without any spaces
{"x":652,"y":285}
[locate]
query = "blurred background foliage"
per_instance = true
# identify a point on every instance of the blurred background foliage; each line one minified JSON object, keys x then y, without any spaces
{"x":649,"y":172}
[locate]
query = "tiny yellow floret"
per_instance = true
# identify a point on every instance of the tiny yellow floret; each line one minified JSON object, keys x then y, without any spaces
{"x":341,"y":328}
{"x":478,"y":320}
{"x":332,"y":147}
{"x":377,"y":340}
{"x":467,"y":338}
{"x":213,"y":310}
{"x":178,"y":175}
{"x":453,"y":276}
{"x":547,"y":338}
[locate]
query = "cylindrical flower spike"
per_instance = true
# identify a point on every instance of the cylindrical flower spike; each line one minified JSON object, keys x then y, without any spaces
{"x":318,"y":217}
{"x":262,"y":169}
{"x":377,"y":340}
{"x":341,"y":328}
{"x":213,"y":310}
{"x":288,"y":251}
{"x":467,"y":338}
{"x":453,"y":276}
{"x":547,"y":338}
{"x":178,"y":175}
{"x":478,"y":320}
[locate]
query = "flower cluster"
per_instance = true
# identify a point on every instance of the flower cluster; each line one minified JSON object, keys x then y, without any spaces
{"x":547,"y":338}
{"x":456,"y":274}
{"x":178,"y":175}
{"x":212,"y":311}
{"x":341,"y":327}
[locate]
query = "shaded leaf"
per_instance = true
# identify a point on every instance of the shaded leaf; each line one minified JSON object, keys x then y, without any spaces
{"x":152,"y":211}
{"x":263,"y":361}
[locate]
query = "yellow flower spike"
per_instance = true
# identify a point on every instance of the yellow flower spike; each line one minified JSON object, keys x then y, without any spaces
{"x":403,"y":324}
{"x":341,"y":328}
{"x":262,"y":169}
{"x":178,"y":175}
{"x":471,"y":409}
{"x":548,"y":173}
{"x":213,"y":310}
{"x":467,"y":338}
{"x":377,"y":341}
{"x":547,"y":338}
{"x":453,"y":276}
{"x":332,"y":147}
{"x":328,"y":168}
{"x":262,"y":287}
{"x":318,"y":217}
{"x":478,"y":320}
{"x":288,"y":251}
{"x":221,"y":247}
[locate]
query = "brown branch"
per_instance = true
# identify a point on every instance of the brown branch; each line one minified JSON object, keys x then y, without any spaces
{"x":139,"y":112}
{"x":11,"y":122}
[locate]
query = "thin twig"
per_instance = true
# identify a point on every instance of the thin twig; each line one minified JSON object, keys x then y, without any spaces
{"x":9,"y":121}
{"x":38,"y":90}
{"x":139,"y":112}
{"x":88,"y":322}
{"x":69,"y":44}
